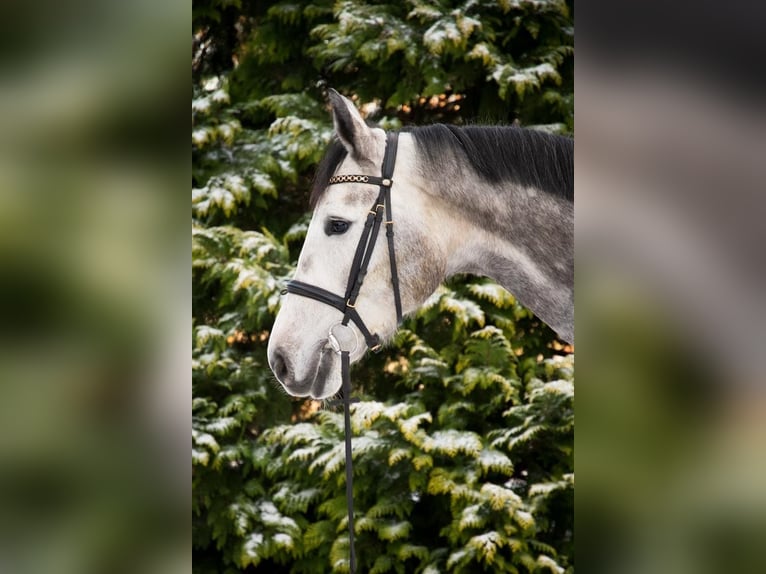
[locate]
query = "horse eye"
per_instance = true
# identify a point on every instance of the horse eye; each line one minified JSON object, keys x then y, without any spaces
{"x":336,"y":226}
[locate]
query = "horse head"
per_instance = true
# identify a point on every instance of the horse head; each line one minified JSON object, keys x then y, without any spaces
{"x":308,"y":331}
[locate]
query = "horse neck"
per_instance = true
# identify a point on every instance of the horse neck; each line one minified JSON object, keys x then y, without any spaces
{"x":521,"y":237}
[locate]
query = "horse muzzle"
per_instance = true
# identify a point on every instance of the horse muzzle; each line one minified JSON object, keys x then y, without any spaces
{"x":317,"y":383}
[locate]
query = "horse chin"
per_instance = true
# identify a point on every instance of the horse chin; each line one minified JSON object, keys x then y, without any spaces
{"x":327,"y":381}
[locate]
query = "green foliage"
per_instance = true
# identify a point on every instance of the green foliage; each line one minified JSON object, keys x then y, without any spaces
{"x":463,"y":441}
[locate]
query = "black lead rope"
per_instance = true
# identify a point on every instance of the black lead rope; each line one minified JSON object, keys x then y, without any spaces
{"x":346,"y":304}
{"x":345,"y":369}
{"x":345,"y":363}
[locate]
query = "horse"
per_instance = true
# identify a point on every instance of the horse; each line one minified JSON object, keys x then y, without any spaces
{"x":496,"y":201}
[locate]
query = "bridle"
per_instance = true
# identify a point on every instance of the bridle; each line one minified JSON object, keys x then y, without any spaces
{"x":363,"y":254}
{"x":347,"y":303}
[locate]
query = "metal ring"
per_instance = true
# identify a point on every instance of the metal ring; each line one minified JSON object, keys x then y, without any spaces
{"x":335,"y":343}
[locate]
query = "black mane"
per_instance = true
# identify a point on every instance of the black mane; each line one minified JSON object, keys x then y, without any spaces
{"x":495,"y":153}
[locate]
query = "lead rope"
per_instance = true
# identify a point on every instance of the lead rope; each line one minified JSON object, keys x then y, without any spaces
{"x":344,"y":369}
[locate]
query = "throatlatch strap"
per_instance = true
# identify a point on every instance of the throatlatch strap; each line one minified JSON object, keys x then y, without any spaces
{"x":392,"y":260}
{"x":387,"y":171}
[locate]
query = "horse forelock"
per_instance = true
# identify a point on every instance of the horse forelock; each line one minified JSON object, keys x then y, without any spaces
{"x":333,"y":157}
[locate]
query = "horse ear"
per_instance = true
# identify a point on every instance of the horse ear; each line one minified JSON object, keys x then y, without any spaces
{"x":355,"y":135}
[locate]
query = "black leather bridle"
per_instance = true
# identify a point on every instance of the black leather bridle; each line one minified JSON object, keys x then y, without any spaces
{"x":347,"y":303}
{"x":364,"y":250}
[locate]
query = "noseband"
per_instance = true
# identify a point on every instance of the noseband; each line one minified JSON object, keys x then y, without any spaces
{"x":364,"y":249}
{"x":347,"y":303}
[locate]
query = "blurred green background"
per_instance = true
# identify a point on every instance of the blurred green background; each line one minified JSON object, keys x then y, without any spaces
{"x":94,"y":390}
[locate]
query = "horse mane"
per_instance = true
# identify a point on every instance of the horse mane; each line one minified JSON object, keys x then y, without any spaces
{"x":499,"y":154}
{"x":496,"y":154}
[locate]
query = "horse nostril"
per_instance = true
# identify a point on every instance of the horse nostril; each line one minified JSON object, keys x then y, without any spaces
{"x":279,"y":366}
